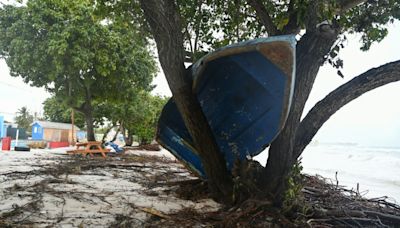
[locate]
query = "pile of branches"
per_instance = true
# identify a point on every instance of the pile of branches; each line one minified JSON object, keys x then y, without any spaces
{"x":332,"y":205}
{"x":320,"y":204}
{"x":149,"y":147}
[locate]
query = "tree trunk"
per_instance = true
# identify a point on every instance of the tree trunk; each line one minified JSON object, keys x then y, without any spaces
{"x":263,"y":16}
{"x":106,"y":133}
{"x":129,"y":138}
{"x":123,"y":130}
{"x":310,"y":53}
{"x":115,"y":135}
{"x":89,"y":124}
{"x":88,"y":112}
{"x":120,"y":129}
{"x":164,"y":21}
{"x":213,"y":162}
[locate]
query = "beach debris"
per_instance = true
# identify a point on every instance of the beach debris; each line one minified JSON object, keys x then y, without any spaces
{"x":51,"y":189}
{"x":154,"y":212}
{"x":113,"y":147}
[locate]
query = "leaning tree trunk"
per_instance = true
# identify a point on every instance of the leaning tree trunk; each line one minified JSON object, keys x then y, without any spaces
{"x":116,"y":134}
{"x":103,"y":140}
{"x":164,"y":21}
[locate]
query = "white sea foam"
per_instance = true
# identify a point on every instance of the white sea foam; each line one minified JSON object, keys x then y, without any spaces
{"x":375,"y":169}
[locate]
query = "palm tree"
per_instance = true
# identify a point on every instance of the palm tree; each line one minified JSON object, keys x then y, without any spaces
{"x":23,"y":118}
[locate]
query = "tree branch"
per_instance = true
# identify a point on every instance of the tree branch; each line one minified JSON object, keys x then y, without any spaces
{"x":198,"y":25}
{"x":264,"y":17}
{"x":345,"y":5}
{"x":325,"y":108}
{"x":292,"y":26}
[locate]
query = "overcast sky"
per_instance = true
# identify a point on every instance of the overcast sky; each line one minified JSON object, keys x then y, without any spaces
{"x":373,"y":119}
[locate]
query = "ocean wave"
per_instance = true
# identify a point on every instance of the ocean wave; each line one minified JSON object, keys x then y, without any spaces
{"x":376,"y":168}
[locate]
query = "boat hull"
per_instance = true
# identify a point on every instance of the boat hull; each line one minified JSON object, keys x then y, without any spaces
{"x":245,"y":93}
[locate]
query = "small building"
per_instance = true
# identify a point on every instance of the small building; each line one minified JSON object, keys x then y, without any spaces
{"x":53,"y":132}
{"x":11,"y":130}
{"x":16,"y":132}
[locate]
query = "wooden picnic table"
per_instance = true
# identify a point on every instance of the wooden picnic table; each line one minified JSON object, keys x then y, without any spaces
{"x":89,"y":148}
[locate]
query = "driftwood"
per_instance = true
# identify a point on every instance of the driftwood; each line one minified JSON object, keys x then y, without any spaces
{"x":154,"y":212}
{"x":335,"y":205}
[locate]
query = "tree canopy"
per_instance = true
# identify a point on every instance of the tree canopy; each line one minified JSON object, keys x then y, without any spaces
{"x":141,"y":116}
{"x":207,"y":25}
{"x":137,"y":115}
{"x":56,"y":110}
{"x":64,"y":47}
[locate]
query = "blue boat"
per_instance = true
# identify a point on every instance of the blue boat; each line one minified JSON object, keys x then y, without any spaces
{"x":245,"y":92}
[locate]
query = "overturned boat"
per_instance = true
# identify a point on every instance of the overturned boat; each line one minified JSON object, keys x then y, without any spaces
{"x":245,"y":92}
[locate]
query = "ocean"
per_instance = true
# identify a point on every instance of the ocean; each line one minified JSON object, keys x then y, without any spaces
{"x":375,"y":169}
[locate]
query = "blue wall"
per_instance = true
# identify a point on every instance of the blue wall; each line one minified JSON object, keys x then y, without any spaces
{"x":80,"y":135}
{"x":2,"y":128}
{"x":37,"y":132}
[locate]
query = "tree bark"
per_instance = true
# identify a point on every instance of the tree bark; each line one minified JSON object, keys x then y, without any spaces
{"x":106,"y":133}
{"x":293,"y":25}
{"x":88,"y":112}
{"x":129,"y":138}
{"x":341,"y":96}
{"x":89,"y":124}
{"x":164,"y":21}
{"x":117,"y":132}
{"x":310,"y":53}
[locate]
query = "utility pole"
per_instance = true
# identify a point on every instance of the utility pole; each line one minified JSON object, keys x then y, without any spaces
{"x":72,"y":126}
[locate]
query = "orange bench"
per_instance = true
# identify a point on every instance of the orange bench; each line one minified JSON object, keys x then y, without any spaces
{"x":89,"y":148}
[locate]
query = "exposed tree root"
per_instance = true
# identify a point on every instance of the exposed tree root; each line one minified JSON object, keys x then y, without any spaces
{"x":321,"y":204}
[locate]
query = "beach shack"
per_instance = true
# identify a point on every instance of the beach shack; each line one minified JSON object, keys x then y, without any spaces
{"x":57,"y":134}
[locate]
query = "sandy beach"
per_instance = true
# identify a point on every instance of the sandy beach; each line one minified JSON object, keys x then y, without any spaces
{"x":50,"y":188}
